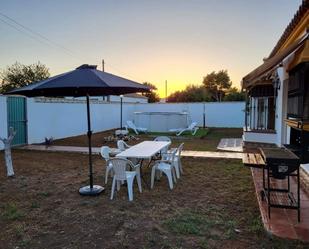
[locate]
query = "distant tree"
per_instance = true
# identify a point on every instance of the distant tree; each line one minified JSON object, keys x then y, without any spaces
{"x":152,"y":95}
{"x":191,"y":93}
{"x":217,"y":84}
{"x":19,"y":75}
{"x":234,"y":94}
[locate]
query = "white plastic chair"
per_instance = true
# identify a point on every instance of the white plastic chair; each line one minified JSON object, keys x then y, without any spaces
{"x":122,"y":145}
{"x":136,"y":129}
{"x":192,"y":128}
{"x":167,"y":167}
{"x":163,"y":139}
{"x":121,"y":174}
{"x":105,"y":151}
{"x":177,"y":159}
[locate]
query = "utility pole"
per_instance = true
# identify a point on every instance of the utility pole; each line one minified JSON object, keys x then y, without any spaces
{"x":103,"y":71}
{"x":165,"y":90}
{"x":204,"y":116}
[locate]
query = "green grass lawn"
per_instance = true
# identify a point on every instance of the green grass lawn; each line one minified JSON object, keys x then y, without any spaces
{"x":202,"y":132}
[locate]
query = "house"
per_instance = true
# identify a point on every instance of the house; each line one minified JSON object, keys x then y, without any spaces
{"x":277,"y":106}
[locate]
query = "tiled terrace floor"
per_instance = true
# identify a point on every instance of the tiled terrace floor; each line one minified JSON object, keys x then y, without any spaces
{"x":283,"y":222}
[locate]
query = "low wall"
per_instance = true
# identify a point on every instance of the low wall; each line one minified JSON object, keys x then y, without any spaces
{"x":3,"y":120}
{"x":259,"y":137}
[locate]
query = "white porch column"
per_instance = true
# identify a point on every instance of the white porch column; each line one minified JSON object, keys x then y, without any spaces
{"x":281,"y":107}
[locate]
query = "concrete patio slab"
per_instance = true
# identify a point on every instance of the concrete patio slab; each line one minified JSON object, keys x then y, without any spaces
{"x":96,"y":150}
{"x":231,"y":144}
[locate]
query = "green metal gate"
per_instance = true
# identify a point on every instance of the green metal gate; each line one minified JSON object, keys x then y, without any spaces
{"x":17,"y":118}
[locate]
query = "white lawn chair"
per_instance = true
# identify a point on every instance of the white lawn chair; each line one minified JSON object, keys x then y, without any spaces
{"x":167,"y":167}
{"x":192,"y":128}
{"x":122,"y":145}
{"x":105,"y":151}
{"x":132,"y":126}
{"x":121,"y":174}
{"x":177,"y":159}
{"x":163,"y":139}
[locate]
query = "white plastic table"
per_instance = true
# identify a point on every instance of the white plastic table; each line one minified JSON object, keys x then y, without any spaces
{"x":144,"y":150}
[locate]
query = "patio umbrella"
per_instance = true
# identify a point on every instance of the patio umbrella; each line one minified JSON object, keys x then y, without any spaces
{"x":87,"y":81}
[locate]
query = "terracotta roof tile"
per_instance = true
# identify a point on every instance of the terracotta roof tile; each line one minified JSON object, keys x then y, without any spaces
{"x":302,"y":10}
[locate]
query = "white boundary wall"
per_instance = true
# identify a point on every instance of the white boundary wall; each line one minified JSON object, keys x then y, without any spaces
{"x":65,"y":118}
{"x":3,"y":120}
{"x":48,"y":118}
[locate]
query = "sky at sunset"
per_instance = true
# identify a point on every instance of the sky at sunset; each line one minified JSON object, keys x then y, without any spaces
{"x":175,"y":40}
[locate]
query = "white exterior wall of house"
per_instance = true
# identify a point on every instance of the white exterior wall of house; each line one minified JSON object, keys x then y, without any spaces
{"x":3,"y":120}
{"x":279,"y":137}
{"x":282,"y":135}
{"x":259,"y":136}
{"x":281,"y":107}
{"x":282,"y":131}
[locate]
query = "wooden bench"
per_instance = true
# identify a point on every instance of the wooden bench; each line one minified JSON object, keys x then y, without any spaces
{"x":254,"y":160}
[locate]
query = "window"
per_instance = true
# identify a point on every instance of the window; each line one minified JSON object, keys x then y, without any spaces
{"x":261,"y":113}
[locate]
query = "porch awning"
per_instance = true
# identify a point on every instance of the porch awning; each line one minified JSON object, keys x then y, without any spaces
{"x":262,"y":91}
{"x":301,"y":55}
{"x":271,"y":63}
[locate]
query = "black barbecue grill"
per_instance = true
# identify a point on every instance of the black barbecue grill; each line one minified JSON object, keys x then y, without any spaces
{"x":280,"y":164}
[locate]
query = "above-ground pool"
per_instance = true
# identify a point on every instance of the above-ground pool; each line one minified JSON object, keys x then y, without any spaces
{"x":161,"y":121}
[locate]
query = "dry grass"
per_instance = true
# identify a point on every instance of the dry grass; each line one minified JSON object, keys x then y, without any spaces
{"x":205,"y":143}
{"x":212,"y":206}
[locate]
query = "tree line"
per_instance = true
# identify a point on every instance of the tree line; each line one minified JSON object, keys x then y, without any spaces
{"x":216,"y":86}
{"x":19,"y":75}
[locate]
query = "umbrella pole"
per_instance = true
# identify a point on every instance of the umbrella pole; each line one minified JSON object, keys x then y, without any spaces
{"x":90,"y":189}
{"x":89,"y":133}
{"x":121,"y":97}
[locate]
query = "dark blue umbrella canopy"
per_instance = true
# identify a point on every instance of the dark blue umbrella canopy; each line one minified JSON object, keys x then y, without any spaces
{"x":87,"y":81}
{"x":84,"y":80}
